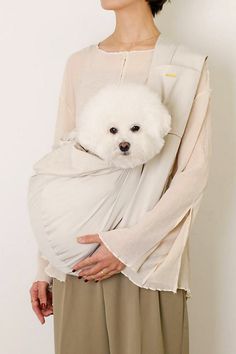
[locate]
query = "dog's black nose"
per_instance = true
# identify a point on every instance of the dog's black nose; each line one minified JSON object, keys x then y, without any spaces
{"x":124,"y":146}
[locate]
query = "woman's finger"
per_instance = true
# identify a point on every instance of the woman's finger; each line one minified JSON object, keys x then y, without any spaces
{"x":106,"y":276}
{"x":107,"y":272}
{"x":117,"y":268}
{"x":93,"y":258}
{"x":42,"y":294}
{"x":93,"y":238}
{"x":35,"y":302}
{"x":85,"y":269}
{"x":37,"y":311}
{"x":94,"y":271}
{"x":49,"y":308}
{"x":48,"y":311}
{"x":88,"y":261}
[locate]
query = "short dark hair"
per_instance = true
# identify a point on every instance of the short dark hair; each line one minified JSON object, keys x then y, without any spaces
{"x":156,"y":5}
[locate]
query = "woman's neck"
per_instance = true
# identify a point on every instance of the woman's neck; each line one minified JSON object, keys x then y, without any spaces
{"x":135,"y":29}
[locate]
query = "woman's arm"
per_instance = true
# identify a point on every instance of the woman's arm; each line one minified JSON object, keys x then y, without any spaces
{"x":66,"y":107}
{"x":65,"y":121}
{"x":132,"y":245}
{"x":40,"y":273}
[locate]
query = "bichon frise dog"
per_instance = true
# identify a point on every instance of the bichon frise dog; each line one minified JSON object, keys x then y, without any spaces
{"x":124,"y":125}
{"x":86,"y":183}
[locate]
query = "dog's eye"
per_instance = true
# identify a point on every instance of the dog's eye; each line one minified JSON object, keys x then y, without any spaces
{"x":135,"y":128}
{"x":113,"y":130}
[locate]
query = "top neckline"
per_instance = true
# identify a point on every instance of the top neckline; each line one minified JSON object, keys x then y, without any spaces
{"x":122,"y":51}
{"x":96,"y":45}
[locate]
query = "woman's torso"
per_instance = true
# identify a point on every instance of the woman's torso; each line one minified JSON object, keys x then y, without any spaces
{"x":93,"y":68}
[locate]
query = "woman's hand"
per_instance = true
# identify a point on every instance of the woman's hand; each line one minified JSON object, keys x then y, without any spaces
{"x":101,"y":260}
{"x":41,"y":300}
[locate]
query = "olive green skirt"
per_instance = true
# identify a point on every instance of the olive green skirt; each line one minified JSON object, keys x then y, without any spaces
{"x":115,"y":316}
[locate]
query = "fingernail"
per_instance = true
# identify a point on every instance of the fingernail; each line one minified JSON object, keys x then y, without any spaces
{"x":85,"y":280}
{"x":43,"y":306}
{"x":79,"y":276}
{"x":73,"y":270}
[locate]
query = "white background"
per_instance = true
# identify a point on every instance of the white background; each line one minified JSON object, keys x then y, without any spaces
{"x":36,"y":37}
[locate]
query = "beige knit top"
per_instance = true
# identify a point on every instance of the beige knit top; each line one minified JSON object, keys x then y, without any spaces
{"x":131,"y":245}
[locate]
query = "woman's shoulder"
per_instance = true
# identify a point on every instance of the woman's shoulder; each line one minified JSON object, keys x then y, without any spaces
{"x":189,"y":56}
{"x":183,"y":53}
{"x":80,"y":53}
{"x":77,"y":58}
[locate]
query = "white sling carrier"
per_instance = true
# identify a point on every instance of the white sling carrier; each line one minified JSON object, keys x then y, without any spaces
{"x":74,"y":193}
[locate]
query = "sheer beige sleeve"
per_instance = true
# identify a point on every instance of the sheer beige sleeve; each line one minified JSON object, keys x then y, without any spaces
{"x":133,"y":245}
{"x":65,"y":121}
{"x":66,"y":108}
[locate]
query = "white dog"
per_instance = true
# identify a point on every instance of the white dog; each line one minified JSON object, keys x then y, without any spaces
{"x":85,"y":185}
{"x":125,"y":125}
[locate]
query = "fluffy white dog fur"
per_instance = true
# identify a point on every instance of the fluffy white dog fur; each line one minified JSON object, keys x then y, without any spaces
{"x":124,"y":124}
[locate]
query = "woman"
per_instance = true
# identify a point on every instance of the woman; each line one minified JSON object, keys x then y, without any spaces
{"x":104,"y":311}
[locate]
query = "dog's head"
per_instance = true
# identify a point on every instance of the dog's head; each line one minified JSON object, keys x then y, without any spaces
{"x":124,"y":125}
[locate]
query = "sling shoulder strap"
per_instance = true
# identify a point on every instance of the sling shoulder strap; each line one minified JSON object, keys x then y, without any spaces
{"x":167,"y":51}
{"x":174,"y":73}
